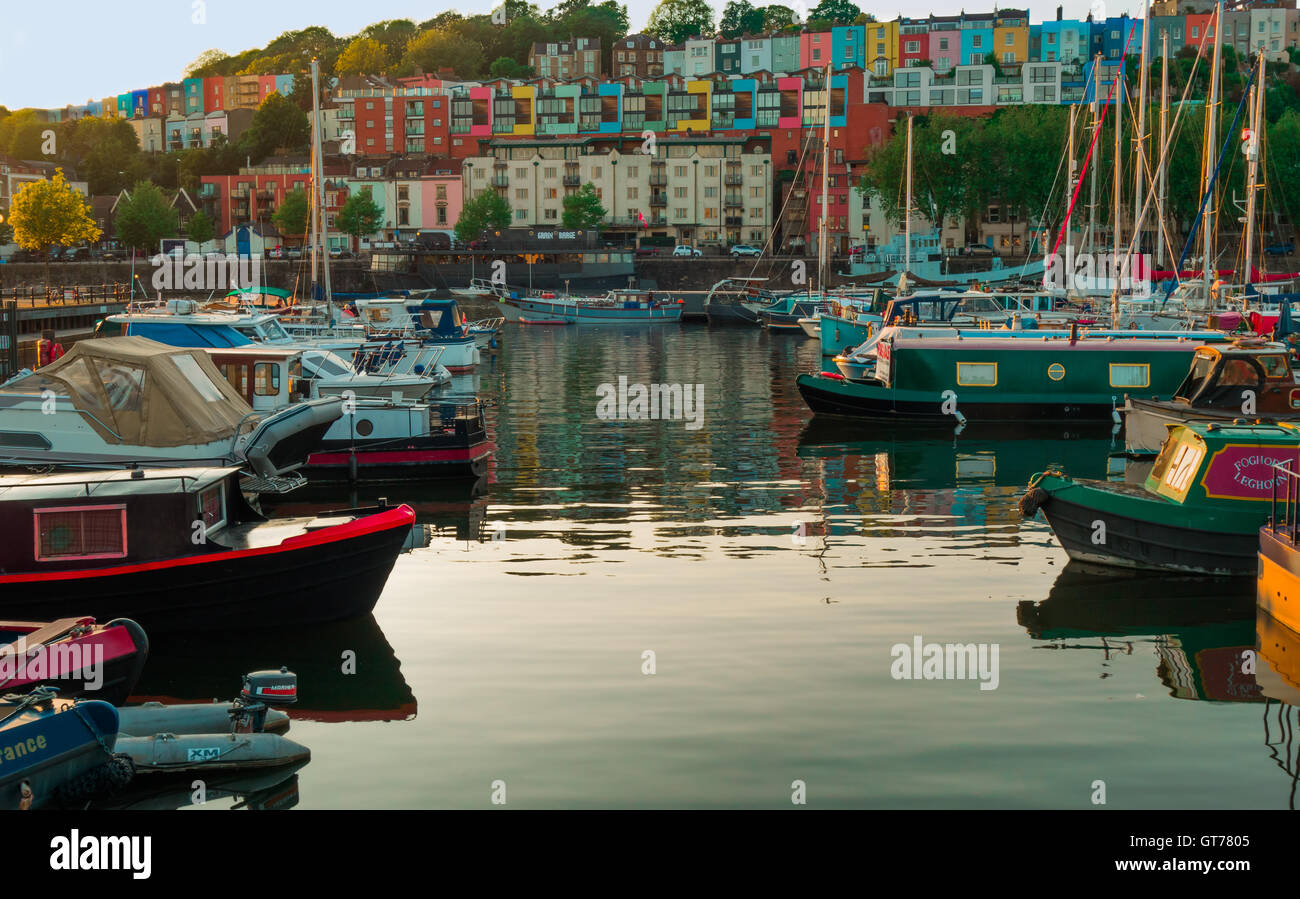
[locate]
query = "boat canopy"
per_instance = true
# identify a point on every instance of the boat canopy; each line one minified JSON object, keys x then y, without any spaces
{"x":186,"y":334}
{"x":135,"y":391}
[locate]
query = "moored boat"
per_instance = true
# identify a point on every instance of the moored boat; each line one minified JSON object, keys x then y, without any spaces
{"x":76,"y":656}
{"x":1277,"y":585}
{"x":54,"y":749}
{"x":618,"y":307}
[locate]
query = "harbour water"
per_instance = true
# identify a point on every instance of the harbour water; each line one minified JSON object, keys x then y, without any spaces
{"x":638,"y":613}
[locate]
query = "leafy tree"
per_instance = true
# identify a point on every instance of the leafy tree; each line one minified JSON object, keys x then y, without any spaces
{"x":740,"y":17}
{"x":200,"y":228}
{"x":145,"y":217}
{"x":290,"y":217}
{"x":443,"y":48}
{"x":583,"y":209}
{"x":673,"y":21}
{"x":277,"y":123}
{"x":839,"y":12}
{"x":1282,"y":146}
{"x":360,"y":215}
{"x":505,"y":67}
{"x":46,"y":214}
{"x":393,"y":35}
{"x":364,"y":56}
{"x":206,"y":63}
{"x":486,"y":211}
{"x":6,"y":230}
{"x":779,"y":18}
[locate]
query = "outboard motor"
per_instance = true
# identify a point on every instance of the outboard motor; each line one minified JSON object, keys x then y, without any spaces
{"x":262,"y":689}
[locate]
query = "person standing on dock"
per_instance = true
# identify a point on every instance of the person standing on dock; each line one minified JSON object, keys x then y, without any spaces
{"x":47,"y":349}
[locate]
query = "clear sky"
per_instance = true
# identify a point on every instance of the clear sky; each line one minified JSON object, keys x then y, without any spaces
{"x":56,"y":53}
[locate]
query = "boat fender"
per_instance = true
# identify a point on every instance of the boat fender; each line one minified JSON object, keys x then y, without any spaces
{"x":352,"y":466}
{"x":1033,"y":500}
{"x":108,"y":778}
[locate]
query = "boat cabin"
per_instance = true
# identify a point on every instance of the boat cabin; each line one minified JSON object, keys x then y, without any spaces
{"x":1205,"y":463}
{"x":427,"y":317}
{"x":268,"y":378}
{"x":79,"y":520}
{"x":1250,"y":375}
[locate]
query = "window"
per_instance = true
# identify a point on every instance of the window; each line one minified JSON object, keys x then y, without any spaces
{"x":1130,"y":374}
{"x":1056,"y":371}
{"x":80,"y":532}
{"x":977,"y":374}
{"x":212,"y":508}
{"x":266,"y":379}
{"x":195,"y":374}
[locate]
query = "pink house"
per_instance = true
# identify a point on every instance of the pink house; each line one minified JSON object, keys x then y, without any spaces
{"x":815,"y":49}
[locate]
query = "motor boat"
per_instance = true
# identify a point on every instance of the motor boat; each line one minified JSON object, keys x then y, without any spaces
{"x":433,"y":321}
{"x":74,"y":655}
{"x":55,"y":750}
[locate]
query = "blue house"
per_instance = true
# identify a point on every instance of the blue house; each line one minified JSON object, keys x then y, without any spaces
{"x":976,"y":37}
{"x":849,"y":47}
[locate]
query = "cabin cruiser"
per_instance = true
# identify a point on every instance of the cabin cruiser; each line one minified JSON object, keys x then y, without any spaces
{"x":131,"y":400}
{"x":623,"y":306}
{"x":434,"y":322}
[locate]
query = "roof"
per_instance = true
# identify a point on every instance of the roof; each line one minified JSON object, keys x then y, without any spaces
{"x":116,"y":482}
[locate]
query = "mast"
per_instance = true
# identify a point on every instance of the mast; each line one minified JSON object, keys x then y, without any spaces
{"x":1119,"y":147}
{"x":1092,"y":187}
{"x":1164,"y":126}
{"x":1211,"y":142}
{"x":315,"y":187}
{"x":319,"y":187}
{"x":826,"y":171}
{"x":1252,"y":171}
{"x":907,"y":212}
{"x":1138,"y":167}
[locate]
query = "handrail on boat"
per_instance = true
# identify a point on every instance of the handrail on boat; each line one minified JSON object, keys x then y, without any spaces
{"x":1290,"y":501}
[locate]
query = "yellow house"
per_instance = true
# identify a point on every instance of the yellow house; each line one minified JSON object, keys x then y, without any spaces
{"x":1011,"y":36}
{"x":881,"y":48}
{"x":525,"y":97}
{"x":704,"y":88}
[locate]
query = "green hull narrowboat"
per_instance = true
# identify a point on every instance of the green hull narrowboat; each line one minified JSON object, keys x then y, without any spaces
{"x":920,"y":374}
{"x":1200,"y":509}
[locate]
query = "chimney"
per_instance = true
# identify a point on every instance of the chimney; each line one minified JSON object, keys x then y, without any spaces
{"x":1058,"y":13}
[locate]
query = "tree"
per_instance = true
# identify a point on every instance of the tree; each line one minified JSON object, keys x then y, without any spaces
{"x":46,"y":214}
{"x":442,"y":48}
{"x":740,"y":17}
{"x":583,"y":208}
{"x":360,"y":215}
{"x":278,"y":123}
{"x":779,"y":18}
{"x":364,"y":56}
{"x":206,"y":63}
{"x":200,"y":228}
{"x":505,"y":67}
{"x":393,"y":35}
{"x":290,"y":217}
{"x":486,"y":211}
{"x":839,"y":12}
{"x":673,"y":21}
{"x":145,"y":217}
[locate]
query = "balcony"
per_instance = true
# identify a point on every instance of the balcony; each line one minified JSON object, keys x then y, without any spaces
{"x":658,"y":180}
{"x":735,"y":180}
{"x":500,"y":164}
{"x":735,"y":201}
{"x":735,"y":221}
{"x":572,"y":180}
{"x":659,"y":199}
{"x":500,"y":180}
{"x":657,"y":221}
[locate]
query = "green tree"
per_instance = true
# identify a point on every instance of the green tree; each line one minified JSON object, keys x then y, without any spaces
{"x":278,"y":123}
{"x":200,"y":229}
{"x":740,"y":17}
{"x":673,"y":21}
{"x":779,"y":18}
{"x":46,"y":214}
{"x":1282,"y":157}
{"x":290,"y":217}
{"x":364,"y":56}
{"x":360,"y":215}
{"x":393,"y":35}
{"x":443,"y":48}
{"x":486,"y":211}
{"x":840,"y":12}
{"x":583,"y":209}
{"x":145,"y":217}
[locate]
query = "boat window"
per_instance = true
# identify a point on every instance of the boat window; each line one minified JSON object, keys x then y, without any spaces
{"x":377,"y":314}
{"x":1237,"y":373}
{"x":266,"y":379}
{"x":328,"y":365}
{"x":1274,"y":366}
{"x":80,"y":532}
{"x":1130,"y":374}
{"x":274,"y":332}
{"x":124,"y":385}
{"x":1195,"y":379}
{"x":237,"y":375}
{"x":82,"y":386}
{"x":212,"y":508}
{"x":977,"y":374}
{"x":1056,"y":371}
{"x":195,"y":374}
{"x":430,"y":319}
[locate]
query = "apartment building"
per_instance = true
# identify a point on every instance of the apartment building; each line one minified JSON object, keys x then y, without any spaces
{"x":641,"y":55}
{"x":567,"y":59}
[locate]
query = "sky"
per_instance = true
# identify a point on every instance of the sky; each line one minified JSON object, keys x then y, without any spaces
{"x":79,"y":50}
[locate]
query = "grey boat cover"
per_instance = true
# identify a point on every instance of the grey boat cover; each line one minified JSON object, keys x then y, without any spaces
{"x":143,"y":393}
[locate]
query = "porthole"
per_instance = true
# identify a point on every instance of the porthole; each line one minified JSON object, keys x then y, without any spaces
{"x":365,"y":427}
{"x":1056,"y":371}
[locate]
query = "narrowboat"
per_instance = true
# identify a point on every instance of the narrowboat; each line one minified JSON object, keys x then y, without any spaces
{"x":76,"y":656}
{"x":618,"y":307}
{"x":1249,"y":378}
{"x":938,"y":374}
{"x":1277,"y":587}
{"x":130,"y":400}
{"x":1199,"y":510}
{"x":56,"y":750}
{"x":184,"y":547}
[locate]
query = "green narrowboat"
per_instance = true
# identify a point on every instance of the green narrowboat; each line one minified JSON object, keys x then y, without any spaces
{"x":946,"y":374}
{"x":1200,"y":509}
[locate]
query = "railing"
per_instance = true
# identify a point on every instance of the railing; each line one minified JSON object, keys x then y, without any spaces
{"x":500,"y":180}
{"x":48,"y":296}
{"x":1290,"y":482}
{"x":735,"y":179}
{"x":735,"y":201}
{"x":658,"y":180}
{"x":658,"y":199}
{"x":572,"y":180}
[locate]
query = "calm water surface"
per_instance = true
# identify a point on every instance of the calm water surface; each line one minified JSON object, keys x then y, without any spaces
{"x":769,"y":564}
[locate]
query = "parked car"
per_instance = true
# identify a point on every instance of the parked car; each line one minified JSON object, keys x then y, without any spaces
{"x":976,"y":249}
{"x":1280,"y":249}
{"x":683,"y":250}
{"x":293,"y":253}
{"x":742,"y":249}
{"x":340,"y":253}
{"x":647,"y":251}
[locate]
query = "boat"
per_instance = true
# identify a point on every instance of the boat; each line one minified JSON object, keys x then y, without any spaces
{"x":479,"y":288}
{"x":951,"y":374}
{"x":811,"y":325}
{"x":1199,"y":511}
{"x":130,"y":400}
{"x":176,"y":548}
{"x":485,"y":331}
{"x":56,"y":750}
{"x":76,"y":656}
{"x":1250,"y":378}
{"x":1277,"y":584}
{"x":618,"y":307}
{"x":434,"y":322}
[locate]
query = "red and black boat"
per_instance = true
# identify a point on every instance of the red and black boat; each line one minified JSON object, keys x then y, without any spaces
{"x":183,"y":547}
{"x":75,"y":655}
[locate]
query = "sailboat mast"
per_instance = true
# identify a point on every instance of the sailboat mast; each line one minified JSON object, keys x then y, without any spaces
{"x":315,"y":187}
{"x":1138,"y":165}
{"x":907,"y":212}
{"x":319,"y":198}
{"x":1119,"y":147}
{"x":1164,"y":126}
{"x":1092,"y":186}
{"x":1252,"y":171}
{"x":1211,"y":141}
{"x":826,"y":172}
